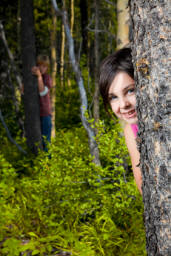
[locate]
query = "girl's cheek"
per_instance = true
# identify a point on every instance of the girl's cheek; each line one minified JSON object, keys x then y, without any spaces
{"x":114,"y":108}
{"x":132,"y":99}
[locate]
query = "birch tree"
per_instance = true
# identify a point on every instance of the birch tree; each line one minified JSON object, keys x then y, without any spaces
{"x":152,"y":60}
{"x":83,"y":97}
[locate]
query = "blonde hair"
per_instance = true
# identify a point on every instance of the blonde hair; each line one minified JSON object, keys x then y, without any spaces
{"x":43,"y":59}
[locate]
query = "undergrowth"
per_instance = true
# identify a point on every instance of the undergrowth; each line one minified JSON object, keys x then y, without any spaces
{"x":63,"y":202}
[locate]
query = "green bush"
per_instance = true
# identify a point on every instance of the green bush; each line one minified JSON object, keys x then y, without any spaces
{"x":67,"y":203}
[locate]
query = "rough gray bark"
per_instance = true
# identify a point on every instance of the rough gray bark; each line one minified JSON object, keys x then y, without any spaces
{"x":83,"y":97}
{"x":152,"y":59}
{"x":31,"y":99}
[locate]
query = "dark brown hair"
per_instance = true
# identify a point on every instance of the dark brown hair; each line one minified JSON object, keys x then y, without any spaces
{"x":121,"y":60}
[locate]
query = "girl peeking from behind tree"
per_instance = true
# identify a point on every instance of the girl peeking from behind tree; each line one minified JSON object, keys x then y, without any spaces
{"x":117,"y":87}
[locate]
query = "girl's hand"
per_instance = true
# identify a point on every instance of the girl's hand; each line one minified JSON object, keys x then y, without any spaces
{"x":36,"y":71}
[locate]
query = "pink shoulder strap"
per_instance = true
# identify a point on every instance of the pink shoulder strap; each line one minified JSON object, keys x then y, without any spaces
{"x":134,"y":129}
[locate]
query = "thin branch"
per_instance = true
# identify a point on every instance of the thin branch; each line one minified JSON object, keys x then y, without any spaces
{"x":98,"y":30}
{"x":2,"y":35}
{"x":101,"y":31}
{"x":14,"y":68}
{"x":9,"y":134}
{"x":55,"y":6}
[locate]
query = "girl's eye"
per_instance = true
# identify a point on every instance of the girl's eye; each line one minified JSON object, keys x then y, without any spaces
{"x":132,"y":90}
{"x":112,"y":97}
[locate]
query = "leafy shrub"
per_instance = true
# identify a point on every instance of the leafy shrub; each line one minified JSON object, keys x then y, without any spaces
{"x":7,"y":194}
{"x":67,"y":203}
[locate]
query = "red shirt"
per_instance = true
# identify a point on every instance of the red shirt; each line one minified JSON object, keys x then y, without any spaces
{"x":45,"y":104}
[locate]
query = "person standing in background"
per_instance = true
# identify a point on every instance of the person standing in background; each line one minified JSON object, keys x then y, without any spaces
{"x":44,"y":84}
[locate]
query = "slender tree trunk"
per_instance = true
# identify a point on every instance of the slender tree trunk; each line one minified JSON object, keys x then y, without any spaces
{"x":31,"y":99}
{"x":53,"y":67}
{"x":123,"y":23}
{"x":96,"y":53}
{"x":83,"y":97}
{"x":84,"y":24}
{"x":62,"y":51}
{"x":72,"y":17}
{"x":18,"y":28}
{"x":62,"y":56}
{"x":72,"y":31}
{"x":152,"y":58}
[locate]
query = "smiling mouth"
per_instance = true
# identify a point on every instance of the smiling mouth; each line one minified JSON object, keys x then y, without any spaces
{"x":130,"y":114}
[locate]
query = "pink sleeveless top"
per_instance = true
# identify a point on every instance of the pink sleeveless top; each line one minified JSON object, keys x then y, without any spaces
{"x":134,"y":129}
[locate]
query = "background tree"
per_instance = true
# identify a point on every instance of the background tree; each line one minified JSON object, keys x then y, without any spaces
{"x":84,"y":24}
{"x":123,"y":23}
{"x":62,"y":58}
{"x":96,"y":111}
{"x":31,"y":99}
{"x":53,"y":35}
{"x":152,"y":56}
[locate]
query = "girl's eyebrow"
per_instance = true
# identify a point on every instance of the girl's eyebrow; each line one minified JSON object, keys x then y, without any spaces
{"x":111,"y":94}
{"x":128,"y":86}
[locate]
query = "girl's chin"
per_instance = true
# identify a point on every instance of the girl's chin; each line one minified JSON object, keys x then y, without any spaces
{"x":131,"y":120}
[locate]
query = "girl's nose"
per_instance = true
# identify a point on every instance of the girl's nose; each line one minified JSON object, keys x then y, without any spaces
{"x":124,"y":103}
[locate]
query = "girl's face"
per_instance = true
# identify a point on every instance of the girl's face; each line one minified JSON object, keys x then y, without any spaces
{"x":43,"y":68}
{"x":122,"y":98}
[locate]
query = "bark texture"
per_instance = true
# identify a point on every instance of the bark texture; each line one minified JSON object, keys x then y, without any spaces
{"x":152,"y":60}
{"x":31,"y":99}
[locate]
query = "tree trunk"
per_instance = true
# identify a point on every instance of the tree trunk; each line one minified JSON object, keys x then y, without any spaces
{"x":72,"y":17}
{"x":31,"y":99}
{"x":62,"y":51}
{"x":96,"y":53}
{"x":152,"y":58}
{"x":84,"y":24}
{"x":62,"y":56}
{"x":53,"y":67}
{"x":123,"y":23}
